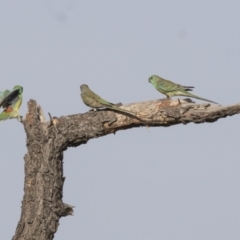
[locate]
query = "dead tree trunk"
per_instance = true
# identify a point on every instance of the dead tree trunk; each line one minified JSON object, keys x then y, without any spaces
{"x":42,"y":205}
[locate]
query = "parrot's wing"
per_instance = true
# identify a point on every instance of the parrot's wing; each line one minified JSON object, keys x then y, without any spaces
{"x":11,"y":96}
{"x":168,"y":86}
{"x":3,"y":95}
{"x":104,"y":102}
{"x":93,"y":95}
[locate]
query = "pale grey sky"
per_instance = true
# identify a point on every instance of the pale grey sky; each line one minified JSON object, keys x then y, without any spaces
{"x":180,"y":182}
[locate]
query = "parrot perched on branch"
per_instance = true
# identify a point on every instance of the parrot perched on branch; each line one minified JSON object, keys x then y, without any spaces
{"x":171,"y":89}
{"x":94,"y":101}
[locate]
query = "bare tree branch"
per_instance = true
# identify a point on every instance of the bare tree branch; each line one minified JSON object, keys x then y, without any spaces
{"x":42,"y":205}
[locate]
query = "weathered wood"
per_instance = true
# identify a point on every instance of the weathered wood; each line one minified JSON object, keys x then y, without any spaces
{"x":42,"y":205}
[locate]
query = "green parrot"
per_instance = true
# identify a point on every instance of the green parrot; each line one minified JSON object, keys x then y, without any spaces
{"x":94,"y":101}
{"x":171,"y":89}
{"x":11,"y":101}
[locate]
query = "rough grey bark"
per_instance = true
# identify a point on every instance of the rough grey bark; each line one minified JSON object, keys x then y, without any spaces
{"x":42,"y":205}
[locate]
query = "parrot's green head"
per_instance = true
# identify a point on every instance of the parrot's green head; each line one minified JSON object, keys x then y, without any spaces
{"x":19,"y":88}
{"x":84,"y":87}
{"x":153,"y":79}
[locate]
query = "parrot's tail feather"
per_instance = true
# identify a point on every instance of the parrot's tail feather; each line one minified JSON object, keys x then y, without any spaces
{"x":125,"y":111}
{"x":122,"y":110}
{"x":200,"y":98}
